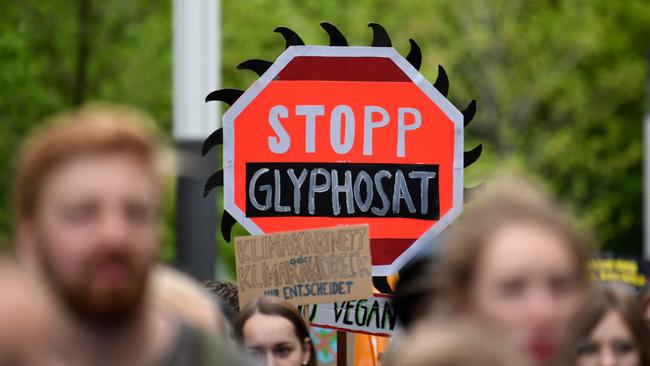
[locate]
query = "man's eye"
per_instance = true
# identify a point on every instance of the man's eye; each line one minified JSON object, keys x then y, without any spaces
{"x":138,"y":213}
{"x":80,"y":213}
{"x":511,"y":288}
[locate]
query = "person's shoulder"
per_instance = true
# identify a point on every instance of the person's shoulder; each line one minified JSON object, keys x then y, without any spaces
{"x":194,"y":347}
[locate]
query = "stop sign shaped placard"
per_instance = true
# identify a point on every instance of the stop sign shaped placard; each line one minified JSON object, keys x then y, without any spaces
{"x":345,"y":135}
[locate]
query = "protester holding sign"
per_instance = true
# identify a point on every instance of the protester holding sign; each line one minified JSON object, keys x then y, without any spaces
{"x":610,"y":331}
{"x":516,"y":264}
{"x":274,"y":332}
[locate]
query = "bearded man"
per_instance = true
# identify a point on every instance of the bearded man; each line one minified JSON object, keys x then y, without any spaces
{"x":88,"y":193}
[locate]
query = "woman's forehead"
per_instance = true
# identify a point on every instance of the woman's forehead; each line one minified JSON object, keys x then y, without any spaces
{"x":526,"y":246}
{"x":269,"y":329}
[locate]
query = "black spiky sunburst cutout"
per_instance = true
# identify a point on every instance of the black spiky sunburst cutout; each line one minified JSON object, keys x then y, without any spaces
{"x":380,"y":38}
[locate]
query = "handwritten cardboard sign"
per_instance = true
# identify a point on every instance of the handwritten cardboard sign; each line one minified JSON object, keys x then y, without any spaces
{"x":305,"y":267}
{"x":373,"y":316}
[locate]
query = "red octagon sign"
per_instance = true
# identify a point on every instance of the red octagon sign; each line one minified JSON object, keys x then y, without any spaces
{"x":345,"y":135}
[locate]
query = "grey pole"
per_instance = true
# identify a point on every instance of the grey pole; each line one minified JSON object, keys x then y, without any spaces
{"x":196,"y":73}
{"x":646,"y":167}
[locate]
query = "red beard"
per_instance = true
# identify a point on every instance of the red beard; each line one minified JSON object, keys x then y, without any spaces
{"x":109,"y":287}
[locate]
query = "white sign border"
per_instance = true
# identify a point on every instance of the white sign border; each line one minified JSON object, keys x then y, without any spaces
{"x":353,"y":51}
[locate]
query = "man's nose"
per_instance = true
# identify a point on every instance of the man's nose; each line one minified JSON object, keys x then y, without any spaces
{"x":114,"y":228}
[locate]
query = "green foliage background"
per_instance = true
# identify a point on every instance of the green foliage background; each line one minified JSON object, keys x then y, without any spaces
{"x":560,"y":84}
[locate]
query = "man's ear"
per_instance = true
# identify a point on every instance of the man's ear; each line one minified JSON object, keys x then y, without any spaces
{"x":25,"y":244}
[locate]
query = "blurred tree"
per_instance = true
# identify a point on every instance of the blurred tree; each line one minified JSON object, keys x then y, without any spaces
{"x":56,"y":55}
{"x":559,"y":84}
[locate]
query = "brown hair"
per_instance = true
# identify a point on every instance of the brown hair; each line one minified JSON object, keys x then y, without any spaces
{"x":645,"y":301}
{"x":277,"y":307}
{"x":90,"y":130}
{"x":227,"y":292}
{"x":600,"y":301}
{"x":507,"y":201}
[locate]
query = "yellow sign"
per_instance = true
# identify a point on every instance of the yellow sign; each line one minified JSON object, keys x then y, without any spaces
{"x":618,"y":270}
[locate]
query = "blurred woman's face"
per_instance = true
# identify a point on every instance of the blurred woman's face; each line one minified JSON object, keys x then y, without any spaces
{"x":611,"y":343}
{"x":527,"y":285}
{"x":272,"y":340}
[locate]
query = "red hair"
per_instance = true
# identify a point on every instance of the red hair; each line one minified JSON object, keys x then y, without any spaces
{"x":87,"y":131}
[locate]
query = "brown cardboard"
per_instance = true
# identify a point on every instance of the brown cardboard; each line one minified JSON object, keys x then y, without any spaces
{"x":305,"y":267}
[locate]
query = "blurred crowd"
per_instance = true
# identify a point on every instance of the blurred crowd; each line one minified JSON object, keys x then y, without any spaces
{"x":508,"y":286}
